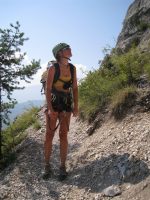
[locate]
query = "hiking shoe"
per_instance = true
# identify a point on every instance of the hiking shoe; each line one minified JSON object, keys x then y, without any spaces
{"x":62,"y":174}
{"x":47,"y":172}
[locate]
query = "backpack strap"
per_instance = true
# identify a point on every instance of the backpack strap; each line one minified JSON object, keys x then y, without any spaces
{"x":57,"y":72}
{"x":71,"y":71}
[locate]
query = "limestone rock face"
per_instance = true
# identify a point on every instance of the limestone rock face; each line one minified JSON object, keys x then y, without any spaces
{"x":136,"y":26}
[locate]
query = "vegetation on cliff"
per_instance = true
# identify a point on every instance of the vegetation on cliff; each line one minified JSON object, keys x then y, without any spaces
{"x":118,"y":72}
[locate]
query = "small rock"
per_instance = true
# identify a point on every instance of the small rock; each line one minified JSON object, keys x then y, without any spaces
{"x":144,"y":186}
{"x":112,"y":191}
{"x":98,"y":197}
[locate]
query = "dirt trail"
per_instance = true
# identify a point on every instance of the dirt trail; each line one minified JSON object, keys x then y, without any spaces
{"x":116,"y":158}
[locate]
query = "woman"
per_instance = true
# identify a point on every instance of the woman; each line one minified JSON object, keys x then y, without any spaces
{"x":62,"y":100}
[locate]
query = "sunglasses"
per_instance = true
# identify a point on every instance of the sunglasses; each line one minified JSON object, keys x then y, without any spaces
{"x":66,"y":48}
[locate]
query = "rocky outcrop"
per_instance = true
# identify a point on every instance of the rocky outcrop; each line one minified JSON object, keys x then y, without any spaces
{"x":136,"y":26}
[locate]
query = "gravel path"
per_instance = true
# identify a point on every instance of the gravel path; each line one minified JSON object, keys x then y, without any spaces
{"x":114,"y":161}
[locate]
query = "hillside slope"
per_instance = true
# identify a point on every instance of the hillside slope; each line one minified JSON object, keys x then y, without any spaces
{"x":116,"y":157}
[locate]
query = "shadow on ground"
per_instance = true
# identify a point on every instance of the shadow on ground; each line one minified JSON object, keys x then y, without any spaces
{"x":30,"y":164}
{"x":112,"y":170}
{"x":94,"y":176}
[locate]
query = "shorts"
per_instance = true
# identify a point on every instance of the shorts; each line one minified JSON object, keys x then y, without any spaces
{"x":61,"y":101}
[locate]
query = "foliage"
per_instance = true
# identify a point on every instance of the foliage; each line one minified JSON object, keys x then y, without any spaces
{"x":130,"y":64}
{"x":146,"y":65}
{"x":15,"y":132}
{"x":37,"y":125}
{"x":122,"y":101}
{"x":116,"y":72}
{"x":12,"y":69}
{"x":94,"y":92}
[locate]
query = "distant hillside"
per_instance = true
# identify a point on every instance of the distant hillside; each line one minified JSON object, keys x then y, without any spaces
{"x":21,"y":107}
{"x":29,"y":93}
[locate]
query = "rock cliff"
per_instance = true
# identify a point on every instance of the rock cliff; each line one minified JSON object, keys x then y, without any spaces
{"x":136,"y":26}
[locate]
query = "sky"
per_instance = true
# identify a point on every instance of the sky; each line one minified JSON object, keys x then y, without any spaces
{"x":88,"y":26}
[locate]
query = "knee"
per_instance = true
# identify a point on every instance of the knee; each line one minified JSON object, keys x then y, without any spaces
{"x":64,"y":129}
{"x":49,"y":137}
{"x":63,"y":135}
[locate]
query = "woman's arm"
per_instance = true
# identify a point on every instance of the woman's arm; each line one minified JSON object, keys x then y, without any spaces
{"x":49,"y":83}
{"x":75,"y":93}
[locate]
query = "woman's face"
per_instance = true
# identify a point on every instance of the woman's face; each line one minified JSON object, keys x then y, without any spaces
{"x":67,"y":52}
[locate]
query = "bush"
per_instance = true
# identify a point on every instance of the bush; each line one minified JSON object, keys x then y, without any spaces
{"x":117,"y":71}
{"x":130,"y":64}
{"x":122,"y":101}
{"x":37,"y":125}
{"x":15,"y":133}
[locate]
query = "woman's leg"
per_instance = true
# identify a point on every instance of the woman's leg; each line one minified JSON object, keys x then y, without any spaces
{"x":64,"y":118}
{"x":50,"y":126}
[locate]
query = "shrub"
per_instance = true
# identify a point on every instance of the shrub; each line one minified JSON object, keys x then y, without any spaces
{"x":117,"y":72}
{"x":15,"y":133}
{"x":37,"y":125}
{"x":122,"y":101}
{"x":130,"y":65}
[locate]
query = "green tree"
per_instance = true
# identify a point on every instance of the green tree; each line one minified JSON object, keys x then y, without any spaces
{"x":12,"y":69}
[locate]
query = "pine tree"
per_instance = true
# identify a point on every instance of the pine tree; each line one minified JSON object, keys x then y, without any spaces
{"x":12,"y":70}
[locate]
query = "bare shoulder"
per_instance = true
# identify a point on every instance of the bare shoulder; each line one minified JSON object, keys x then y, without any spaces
{"x":51,"y":69}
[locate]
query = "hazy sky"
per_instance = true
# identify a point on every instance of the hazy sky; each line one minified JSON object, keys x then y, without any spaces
{"x":87,"y":25}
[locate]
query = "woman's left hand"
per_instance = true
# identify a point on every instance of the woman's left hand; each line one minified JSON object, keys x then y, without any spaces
{"x":75,"y":112}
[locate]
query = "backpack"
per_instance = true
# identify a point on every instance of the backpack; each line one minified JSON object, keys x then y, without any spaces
{"x":43,"y":81}
{"x":56,"y":76}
